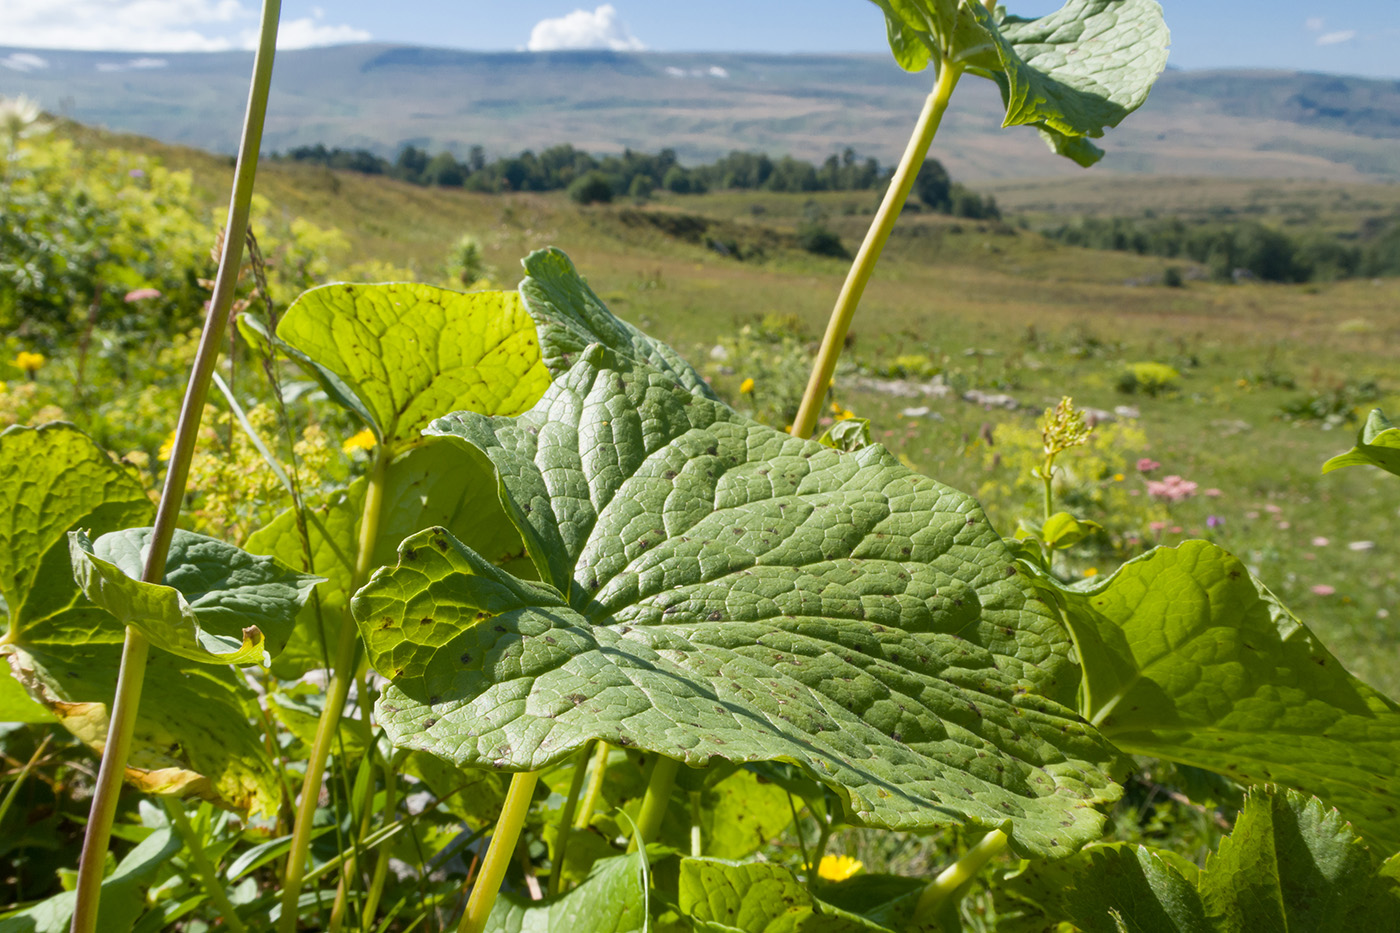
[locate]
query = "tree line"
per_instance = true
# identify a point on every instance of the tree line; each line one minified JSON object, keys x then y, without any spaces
{"x":1247,"y":249}
{"x":637,"y":174}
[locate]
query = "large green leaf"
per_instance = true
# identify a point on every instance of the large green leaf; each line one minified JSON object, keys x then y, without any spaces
{"x":441,"y":482}
{"x":719,"y":589}
{"x":1111,"y":889}
{"x":53,"y":478}
{"x":739,"y":814}
{"x":219,"y":604}
{"x":1289,"y":864}
{"x":121,"y":900}
{"x":757,"y":897}
{"x":1070,"y":74}
{"x":195,"y":731}
{"x":611,"y":900}
{"x":408,"y":353}
{"x":1186,"y":657}
{"x":1292,"y":864}
{"x":1377,"y":444}
{"x":570,"y":317}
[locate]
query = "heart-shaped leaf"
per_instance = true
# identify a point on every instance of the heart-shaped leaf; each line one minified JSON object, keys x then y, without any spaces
{"x":219,"y":604}
{"x":440,"y":482}
{"x":1377,"y":444}
{"x":716,"y":588}
{"x":1187,"y":657}
{"x":54,"y":478}
{"x":195,"y":730}
{"x":407,"y":353}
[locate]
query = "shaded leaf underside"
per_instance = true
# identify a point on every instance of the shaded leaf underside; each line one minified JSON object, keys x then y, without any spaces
{"x":719,"y":589}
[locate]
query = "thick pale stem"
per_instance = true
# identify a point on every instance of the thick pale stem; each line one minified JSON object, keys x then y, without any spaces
{"x":337,"y":690}
{"x":566,"y":819}
{"x":959,"y":873}
{"x":595,"y":787}
{"x":122,"y":721}
{"x":658,"y":795}
{"x":499,"y":852}
{"x":864,"y":266}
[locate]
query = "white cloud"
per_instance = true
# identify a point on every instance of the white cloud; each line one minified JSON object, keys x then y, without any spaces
{"x":1334,"y":38}
{"x":154,"y":26}
{"x":23,"y":61}
{"x":310,"y":31}
{"x":601,"y":29}
{"x":718,"y":72}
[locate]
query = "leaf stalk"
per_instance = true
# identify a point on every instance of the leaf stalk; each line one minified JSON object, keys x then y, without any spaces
{"x":824,"y":367}
{"x":950,"y":881}
{"x":135,"y":650}
{"x":499,"y":852}
{"x":654,"y":802}
{"x":337,"y":691}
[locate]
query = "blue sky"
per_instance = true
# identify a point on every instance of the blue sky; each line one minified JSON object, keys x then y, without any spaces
{"x":1359,"y":37}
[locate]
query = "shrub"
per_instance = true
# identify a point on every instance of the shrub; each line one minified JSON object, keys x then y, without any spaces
{"x":820,"y":241}
{"x":592,"y":188}
{"x":1147,"y":378}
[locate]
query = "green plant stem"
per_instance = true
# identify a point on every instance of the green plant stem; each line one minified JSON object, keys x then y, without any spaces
{"x":566,"y":818}
{"x":13,"y":792}
{"x":381,"y":862}
{"x":208,"y":874}
{"x":595,"y":787}
{"x":864,"y":266}
{"x":957,"y":874}
{"x":499,"y":852}
{"x":122,"y":719}
{"x":343,"y":674}
{"x":655,"y":800}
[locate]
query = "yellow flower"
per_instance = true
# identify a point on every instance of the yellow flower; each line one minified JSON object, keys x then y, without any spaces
{"x":839,"y":867}
{"x":1118,"y":477}
{"x":29,"y":362}
{"x":167,"y":448}
{"x":362,"y":441}
{"x":1092,"y":572}
{"x":746,"y":386}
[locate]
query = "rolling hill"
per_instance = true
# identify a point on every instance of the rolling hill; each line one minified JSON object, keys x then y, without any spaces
{"x":380,"y":97}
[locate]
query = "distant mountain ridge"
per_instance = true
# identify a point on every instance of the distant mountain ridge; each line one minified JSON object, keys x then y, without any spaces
{"x":381,"y":97}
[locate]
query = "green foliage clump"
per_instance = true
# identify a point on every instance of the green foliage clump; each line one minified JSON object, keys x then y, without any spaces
{"x":592,"y":188}
{"x":821,"y":241}
{"x":1334,"y":405}
{"x":1148,"y":378}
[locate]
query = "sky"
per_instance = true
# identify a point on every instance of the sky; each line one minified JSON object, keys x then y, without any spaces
{"x":1361,"y":37}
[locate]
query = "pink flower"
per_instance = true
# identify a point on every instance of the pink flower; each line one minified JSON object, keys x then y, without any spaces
{"x":1147,"y":465}
{"x":1320,"y":541}
{"x":1322,"y":589}
{"x":1213,"y":493}
{"x":1172,"y":489}
{"x":1158,"y":527}
{"x":141,"y":294}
